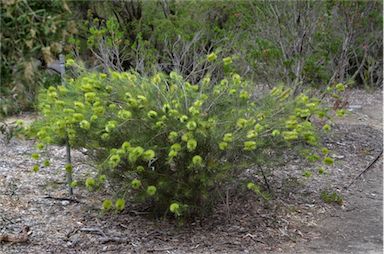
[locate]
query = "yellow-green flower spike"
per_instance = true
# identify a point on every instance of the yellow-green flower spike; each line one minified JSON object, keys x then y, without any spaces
{"x":175,"y":208}
{"x":74,"y":184}
{"x":166,"y":108}
{"x":46,"y":163}
{"x":70,"y":62}
{"x":78,"y":117}
{"x":223,"y":146}
{"x":313,"y":157}
{"x":124,"y":114}
{"x":236,"y":78}
{"x":111,"y":125}
{"x":159,"y":124}
{"x":197,"y":160}
{"x":290,"y":135}
{"x":68,"y":167}
{"x":140,"y":169}
{"x":307,"y":173}
{"x":244,"y":95}
{"x":326,"y":127}
{"x":251,"y":134}
{"x":114,"y":161}
{"x":176,"y":147}
{"x":109,"y":89}
{"x":249,"y":145}
{"x":135,"y":153}
{"x":78,"y":105}
{"x":152,"y":114}
{"x":120,"y":204}
{"x":35,"y":168}
{"x":85,"y":125}
{"x":90,"y":183}
{"x":172,"y":154}
{"x":227,"y":61}
{"x":228,"y":137}
{"x":135,"y":184}
{"x":183,"y":118}
{"x":253,"y":187}
{"x":90,"y":96}
{"x":102,"y":178}
{"x":156,"y":79}
{"x":340,"y":112}
{"x":324,"y":150}
{"x":212,"y":57}
{"x":187,"y":136}
{"x":241,"y":123}
{"x":126,"y":145}
{"x":107,"y":204}
{"x":191,"y":145}
{"x":35,"y":156}
{"x":328,"y":161}
{"x":148,"y":155}
{"x":104,"y":136}
{"x":172,"y":136}
{"x":142,"y":99}
{"x":151,"y":190}
{"x":68,"y":111}
{"x":133,"y":103}
{"x":19,"y":123}
{"x":99,"y":110}
{"x":194,"y":111}
{"x":60,"y":104}
{"x":340,"y":87}
{"x":232,"y":91}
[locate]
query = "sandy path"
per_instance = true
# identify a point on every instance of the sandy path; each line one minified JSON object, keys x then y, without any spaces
{"x":358,"y":227}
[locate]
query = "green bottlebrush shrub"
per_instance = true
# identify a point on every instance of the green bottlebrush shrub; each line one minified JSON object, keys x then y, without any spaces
{"x":172,"y":144}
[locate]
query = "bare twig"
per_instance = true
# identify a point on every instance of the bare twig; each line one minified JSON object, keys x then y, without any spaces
{"x":113,"y":239}
{"x":19,"y":238}
{"x":62,"y":199}
{"x":366,"y":169}
{"x":228,"y":209}
{"x":97,"y":231}
{"x":265,"y":178}
{"x":160,"y":249}
{"x":69,"y":161}
{"x":104,"y":238}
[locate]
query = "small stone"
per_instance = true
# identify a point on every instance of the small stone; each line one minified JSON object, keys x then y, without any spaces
{"x":65,"y":202}
{"x":337,"y":156}
{"x":354,"y":107}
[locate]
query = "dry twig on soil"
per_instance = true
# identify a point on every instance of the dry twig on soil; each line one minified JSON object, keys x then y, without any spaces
{"x":104,"y":238}
{"x":20,"y":238}
{"x":62,"y":199}
{"x":366,"y":169}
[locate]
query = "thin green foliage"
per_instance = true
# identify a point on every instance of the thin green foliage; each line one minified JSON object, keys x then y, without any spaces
{"x":169,"y":143}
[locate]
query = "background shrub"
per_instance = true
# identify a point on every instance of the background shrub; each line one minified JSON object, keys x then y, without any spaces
{"x":31,"y":37}
{"x":315,"y":43}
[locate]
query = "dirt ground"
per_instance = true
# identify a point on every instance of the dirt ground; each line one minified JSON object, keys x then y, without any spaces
{"x":358,"y":226}
{"x":296,"y":220}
